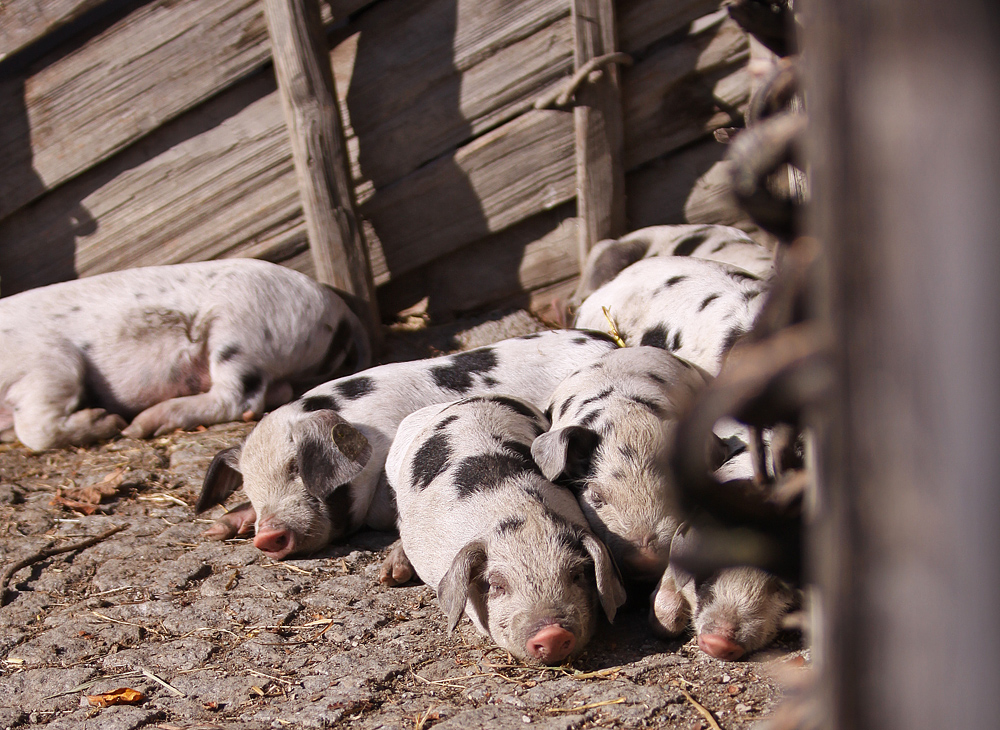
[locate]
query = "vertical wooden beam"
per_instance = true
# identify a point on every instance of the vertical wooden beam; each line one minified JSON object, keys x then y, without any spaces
{"x":308,"y":97}
{"x":600,"y":173}
{"x":907,"y":551}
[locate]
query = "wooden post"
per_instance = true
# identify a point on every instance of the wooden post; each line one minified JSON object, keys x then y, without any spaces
{"x":309,"y":100}
{"x":906,"y":552}
{"x":600,"y":173}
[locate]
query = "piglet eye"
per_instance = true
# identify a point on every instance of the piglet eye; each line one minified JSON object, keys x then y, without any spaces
{"x":498,"y":586}
{"x":595,"y":498}
{"x":580,"y":576}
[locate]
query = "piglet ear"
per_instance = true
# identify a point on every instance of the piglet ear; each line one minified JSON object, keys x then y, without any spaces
{"x":351,"y":443}
{"x":453,"y":590}
{"x":221,"y":480}
{"x":565,"y":453}
{"x":609,"y":580}
{"x":681,"y":546}
{"x":330,"y":452}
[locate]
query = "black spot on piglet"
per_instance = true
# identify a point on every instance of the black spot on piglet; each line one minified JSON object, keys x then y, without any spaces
{"x":430,"y":460}
{"x":457,"y":376}
{"x":320,"y":403}
{"x":687,"y":246}
{"x":355,"y":388}
{"x":655,"y":337}
{"x":487,"y":471}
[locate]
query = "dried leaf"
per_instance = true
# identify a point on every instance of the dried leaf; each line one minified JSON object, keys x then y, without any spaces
{"x":84,"y":508}
{"x":120,"y":696}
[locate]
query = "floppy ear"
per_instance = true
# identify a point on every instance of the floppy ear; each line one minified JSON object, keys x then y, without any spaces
{"x":453,"y":590}
{"x":609,"y":580}
{"x":330,"y":452}
{"x":565,"y":452}
{"x":681,"y":545}
{"x":221,"y":480}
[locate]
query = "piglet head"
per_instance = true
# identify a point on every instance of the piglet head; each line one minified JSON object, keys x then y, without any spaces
{"x":534,"y":588}
{"x":736,"y":611}
{"x":622,"y":484}
{"x":296,"y":468}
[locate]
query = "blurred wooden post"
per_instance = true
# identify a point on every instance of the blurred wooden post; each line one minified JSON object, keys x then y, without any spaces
{"x":600,"y":172}
{"x":906,"y":172}
{"x":309,"y":100}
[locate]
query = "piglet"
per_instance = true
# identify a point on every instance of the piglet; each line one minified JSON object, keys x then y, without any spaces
{"x":611,"y":424}
{"x":307,"y":488}
{"x":479,"y":522}
{"x":723,"y":244}
{"x":167,"y":347}
{"x":734,"y":612}
{"x":694,"y":308}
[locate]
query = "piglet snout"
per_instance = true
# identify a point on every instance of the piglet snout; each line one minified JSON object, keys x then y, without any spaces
{"x":551,"y":644}
{"x":275,"y":542}
{"x":720,"y":647}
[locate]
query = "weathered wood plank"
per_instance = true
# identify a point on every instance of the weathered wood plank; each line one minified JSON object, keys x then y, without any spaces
{"x":597,"y":117}
{"x":502,"y":177}
{"x":643,"y":22}
{"x":309,"y":101}
{"x":680,"y":92}
{"x":499,"y":268}
{"x":22,"y":22}
{"x":437,"y":98}
{"x":76,"y":109}
{"x":688,"y":186}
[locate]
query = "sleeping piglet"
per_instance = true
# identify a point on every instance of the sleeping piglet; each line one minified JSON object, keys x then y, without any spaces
{"x":313,"y":469}
{"x":694,"y":308}
{"x":611,"y":423}
{"x":724,"y":244}
{"x":734,"y":612}
{"x":479,"y":522}
{"x":167,"y":347}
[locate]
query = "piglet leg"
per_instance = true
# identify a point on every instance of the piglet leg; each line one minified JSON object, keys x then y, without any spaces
{"x":44,"y":403}
{"x":236,"y":522}
{"x":396,"y":568}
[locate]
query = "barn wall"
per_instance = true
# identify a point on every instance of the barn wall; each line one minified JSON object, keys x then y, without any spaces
{"x":145,"y":133}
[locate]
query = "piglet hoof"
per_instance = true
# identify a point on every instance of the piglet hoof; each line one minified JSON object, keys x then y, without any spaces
{"x":669,"y":613}
{"x":552,"y":644}
{"x":237,"y":522}
{"x":94,"y":424}
{"x":396,"y":568}
{"x":720,"y":647}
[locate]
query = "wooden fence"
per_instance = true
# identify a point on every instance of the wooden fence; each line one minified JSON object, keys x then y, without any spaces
{"x":140,"y":133}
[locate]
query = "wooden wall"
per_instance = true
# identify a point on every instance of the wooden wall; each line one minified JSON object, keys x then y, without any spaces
{"x":139,"y":133}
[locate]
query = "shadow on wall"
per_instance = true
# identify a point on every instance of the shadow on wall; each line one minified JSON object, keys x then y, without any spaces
{"x":24,"y":264}
{"x":405,"y":108}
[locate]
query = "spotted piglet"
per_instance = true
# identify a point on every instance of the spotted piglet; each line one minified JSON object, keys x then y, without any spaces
{"x":167,"y":347}
{"x":714,"y":243}
{"x":734,"y":612}
{"x":499,"y":542}
{"x":313,"y":469}
{"x":694,"y":308}
{"x":611,"y":422}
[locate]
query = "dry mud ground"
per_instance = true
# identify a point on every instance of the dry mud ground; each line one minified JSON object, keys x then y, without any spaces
{"x":216,"y":635}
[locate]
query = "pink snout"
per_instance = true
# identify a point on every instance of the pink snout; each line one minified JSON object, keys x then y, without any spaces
{"x":275,"y":542}
{"x":720,"y":647}
{"x":551,"y":644}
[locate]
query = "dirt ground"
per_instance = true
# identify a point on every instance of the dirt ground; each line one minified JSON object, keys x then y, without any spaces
{"x":216,"y":635}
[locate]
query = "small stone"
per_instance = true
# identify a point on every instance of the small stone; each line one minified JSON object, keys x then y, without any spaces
{"x":743,"y":708}
{"x":525,"y":719}
{"x":726,"y":679}
{"x":734,"y":689}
